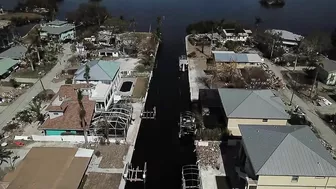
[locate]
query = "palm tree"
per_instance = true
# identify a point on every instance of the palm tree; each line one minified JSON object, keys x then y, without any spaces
{"x":133,"y":24}
{"x":257,"y":21}
{"x":4,"y":155}
{"x":35,"y":107}
{"x":82,"y":114}
{"x":87,"y":74}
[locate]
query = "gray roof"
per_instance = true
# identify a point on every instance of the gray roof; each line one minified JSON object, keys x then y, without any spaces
{"x":100,"y":70}
{"x":57,"y":27}
{"x":329,"y":65}
{"x":286,"y":35}
{"x":57,"y":22}
{"x":16,"y":52}
{"x":286,"y":150}
{"x":244,"y":103}
{"x":236,"y":57}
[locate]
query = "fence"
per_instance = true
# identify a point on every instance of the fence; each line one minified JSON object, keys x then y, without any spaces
{"x":67,"y":138}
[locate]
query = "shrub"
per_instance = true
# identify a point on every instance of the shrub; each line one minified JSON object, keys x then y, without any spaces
{"x":10,"y":127}
{"x":140,"y":68}
{"x":97,"y":153}
{"x":192,"y":55}
{"x":68,"y":81}
{"x":14,"y":83}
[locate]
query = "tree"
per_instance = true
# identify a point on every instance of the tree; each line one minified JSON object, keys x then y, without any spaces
{"x":257,"y":22}
{"x":89,"y":14}
{"x":314,"y":44}
{"x":14,"y":83}
{"x":4,"y":155}
{"x":82,"y":114}
{"x":36,"y":108}
{"x":87,"y":74}
{"x":133,"y":24}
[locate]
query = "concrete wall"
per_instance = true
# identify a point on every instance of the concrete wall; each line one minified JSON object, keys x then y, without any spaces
{"x":57,"y":132}
{"x":285,"y":182}
{"x":234,"y":122}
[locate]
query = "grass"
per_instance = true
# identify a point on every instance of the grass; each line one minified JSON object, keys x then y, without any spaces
{"x":28,"y":73}
{"x":102,"y":181}
{"x":140,"y":87}
{"x":28,"y":15}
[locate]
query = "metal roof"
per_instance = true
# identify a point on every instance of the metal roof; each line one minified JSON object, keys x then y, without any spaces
{"x":6,"y":64}
{"x":100,"y":70}
{"x":286,"y":150}
{"x":286,"y":35}
{"x":56,"y":30}
{"x":57,"y":22}
{"x":244,"y":103}
{"x":228,"y":56}
{"x":329,"y":65}
{"x":16,"y":52}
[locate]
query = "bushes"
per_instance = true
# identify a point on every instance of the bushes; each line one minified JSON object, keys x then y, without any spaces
{"x":10,"y":127}
{"x":14,"y":83}
{"x":46,"y":95}
{"x":68,"y":81}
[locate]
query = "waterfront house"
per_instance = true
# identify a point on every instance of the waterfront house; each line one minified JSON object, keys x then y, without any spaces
{"x":284,"y":157}
{"x":7,"y":65}
{"x":58,"y":30}
{"x":244,"y":106}
{"x":327,"y":72}
{"x":236,"y":35}
{"x":242,"y":59}
{"x":288,"y":38}
{"x":63,"y":111}
{"x":16,"y":53}
{"x":49,"y":167}
{"x":108,"y":52}
{"x":104,"y":78}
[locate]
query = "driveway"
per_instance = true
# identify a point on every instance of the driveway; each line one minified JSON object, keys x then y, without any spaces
{"x":324,"y":130}
{"x":22,"y":102}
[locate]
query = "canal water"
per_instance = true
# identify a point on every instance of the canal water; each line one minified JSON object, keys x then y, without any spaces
{"x":158,"y":143}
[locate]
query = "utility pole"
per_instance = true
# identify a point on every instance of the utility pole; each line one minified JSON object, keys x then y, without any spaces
{"x":150,"y":28}
{"x":272,"y":48}
{"x":42,"y":84}
{"x":291,"y":101}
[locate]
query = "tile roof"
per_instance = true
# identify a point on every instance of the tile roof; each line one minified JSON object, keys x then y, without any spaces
{"x":100,"y":70}
{"x":244,"y":103}
{"x":228,"y":56}
{"x":286,"y":150}
{"x":66,"y":101}
{"x":16,"y":52}
{"x":6,"y":64}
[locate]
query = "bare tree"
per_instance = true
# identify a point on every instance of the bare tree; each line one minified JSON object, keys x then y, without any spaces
{"x":82,"y":114}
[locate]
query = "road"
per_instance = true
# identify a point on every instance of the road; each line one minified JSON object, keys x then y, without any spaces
{"x":22,"y":102}
{"x":324,"y":130}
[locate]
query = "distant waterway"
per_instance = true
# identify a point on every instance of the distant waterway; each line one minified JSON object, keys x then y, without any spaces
{"x":158,"y":143}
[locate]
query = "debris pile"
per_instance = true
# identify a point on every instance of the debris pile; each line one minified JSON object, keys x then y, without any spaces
{"x":208,"y":155}
{"x":8,"y":97}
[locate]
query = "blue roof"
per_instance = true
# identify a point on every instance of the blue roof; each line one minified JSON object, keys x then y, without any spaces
{"x":100,"y":70}
{"x":236,"y":57}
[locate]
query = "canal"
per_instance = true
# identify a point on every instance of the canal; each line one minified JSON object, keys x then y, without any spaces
{"x":158,"y":143}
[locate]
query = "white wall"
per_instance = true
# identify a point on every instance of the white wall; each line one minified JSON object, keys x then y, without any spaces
{"x":67,"y":138}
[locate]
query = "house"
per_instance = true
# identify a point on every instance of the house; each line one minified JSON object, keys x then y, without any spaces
{"x":327,"y":72}
{"x":15,"y":53}
{"x":243,"y":106}
{"x":236,"y":35}
{"x":58,"y":30}
{"x":284,"y":157}
{"x":105,"y":78}
{"x":242,"y":59}
{"x":104,"y":38}
{"x":108,"y":52}
{"x":7,"y":65}
{"x":50,"y":167}
{"x":63,"y":111}
{"x":288,"y":38}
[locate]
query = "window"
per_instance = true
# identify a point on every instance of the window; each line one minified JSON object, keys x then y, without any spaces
{"x":265,"y":120}
{"x":295,"y":178}
{"x":319,"y":177}
{"x":55,"y":113}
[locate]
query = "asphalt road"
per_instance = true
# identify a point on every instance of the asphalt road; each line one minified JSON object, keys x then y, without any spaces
{"x":23,"y":101}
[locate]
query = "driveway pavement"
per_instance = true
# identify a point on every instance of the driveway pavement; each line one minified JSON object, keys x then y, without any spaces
{"x":25,"y":98}
{"x":325,"y":132}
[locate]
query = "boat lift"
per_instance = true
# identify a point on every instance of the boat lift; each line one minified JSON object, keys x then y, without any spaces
{"x":187,"y":124}
{"x":190,"y":177}
{"x":148,"y":114}
{"x":135,"y":174}
{"x":183,"y":63}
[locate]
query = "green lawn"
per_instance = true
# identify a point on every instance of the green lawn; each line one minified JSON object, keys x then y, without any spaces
{"x":28,"y":73}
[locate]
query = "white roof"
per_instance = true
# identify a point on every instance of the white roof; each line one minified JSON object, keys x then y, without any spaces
{"x":287,"y":35}
{"x":100,"y":91}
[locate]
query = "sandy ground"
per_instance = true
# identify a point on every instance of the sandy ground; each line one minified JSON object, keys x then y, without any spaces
{"x":208,"y":177}
{"x":112,"y":155}
{"x":127,"y":64}
{"x":140,"y":87}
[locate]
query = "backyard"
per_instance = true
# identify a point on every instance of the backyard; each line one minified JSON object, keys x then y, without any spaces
{"x":140,"y":87}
